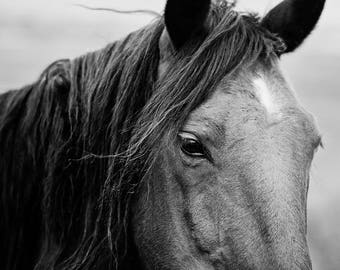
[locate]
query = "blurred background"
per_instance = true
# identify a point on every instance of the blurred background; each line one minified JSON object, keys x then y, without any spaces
{"x":36,"y":32}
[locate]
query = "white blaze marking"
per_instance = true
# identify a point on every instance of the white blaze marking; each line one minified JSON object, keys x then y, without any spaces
{"x":265,"y":96}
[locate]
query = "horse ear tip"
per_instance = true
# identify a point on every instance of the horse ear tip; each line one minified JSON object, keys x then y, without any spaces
{"x":290,"y":24}
{"x":183,"y":18}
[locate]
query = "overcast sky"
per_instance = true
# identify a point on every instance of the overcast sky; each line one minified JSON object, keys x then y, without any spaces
{"x":66,"y":8}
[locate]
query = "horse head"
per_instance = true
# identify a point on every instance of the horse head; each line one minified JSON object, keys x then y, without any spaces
{"x":228,"y":187}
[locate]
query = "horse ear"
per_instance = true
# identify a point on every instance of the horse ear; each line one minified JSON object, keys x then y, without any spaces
{"x":293,"y":20}
{"x":184,"y":19}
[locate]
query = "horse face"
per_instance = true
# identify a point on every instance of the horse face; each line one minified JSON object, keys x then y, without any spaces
{"x":230,"y":191}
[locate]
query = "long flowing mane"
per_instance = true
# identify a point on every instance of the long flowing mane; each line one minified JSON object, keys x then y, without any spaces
{"x":76,"y":143}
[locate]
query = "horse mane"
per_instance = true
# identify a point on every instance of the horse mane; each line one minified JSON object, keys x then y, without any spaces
{"x":76,"y":144}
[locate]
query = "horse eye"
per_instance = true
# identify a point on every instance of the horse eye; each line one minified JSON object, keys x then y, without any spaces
{"x":191,"y":146}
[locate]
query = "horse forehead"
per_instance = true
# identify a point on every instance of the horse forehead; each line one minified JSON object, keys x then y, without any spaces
{"x":264,"y":90}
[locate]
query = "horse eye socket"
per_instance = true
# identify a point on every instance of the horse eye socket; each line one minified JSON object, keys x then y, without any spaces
{"x":191,"y":146}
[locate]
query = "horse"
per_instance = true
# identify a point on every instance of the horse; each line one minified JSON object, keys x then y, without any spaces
{"x":180,"y":146}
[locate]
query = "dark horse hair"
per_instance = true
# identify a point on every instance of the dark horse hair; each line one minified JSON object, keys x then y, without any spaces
{"x":76,"y":144}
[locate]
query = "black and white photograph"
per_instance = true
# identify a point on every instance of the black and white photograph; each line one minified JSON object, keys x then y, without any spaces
{"x":169,"y":135}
